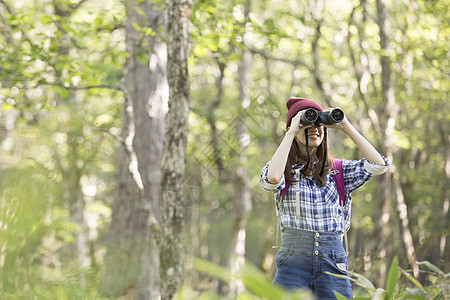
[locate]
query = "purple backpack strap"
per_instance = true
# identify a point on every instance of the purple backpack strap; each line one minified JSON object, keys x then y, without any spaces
{"x":283,"y":191}
{"x":339,"y":180}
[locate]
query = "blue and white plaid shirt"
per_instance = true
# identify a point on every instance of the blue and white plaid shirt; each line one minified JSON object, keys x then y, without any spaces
{"x":319,"y":208}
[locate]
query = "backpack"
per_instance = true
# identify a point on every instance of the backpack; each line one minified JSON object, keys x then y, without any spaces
{"x":338,"y":177}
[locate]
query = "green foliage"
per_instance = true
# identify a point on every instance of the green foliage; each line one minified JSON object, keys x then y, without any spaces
{"x":56,"y":140}
{"x":392,"y":279}
{"x":255,"y":281}
{"x":70,"y":282}
{"x":261,"y":287}
{"x":34,"y":233}
{"x":395,"y":289}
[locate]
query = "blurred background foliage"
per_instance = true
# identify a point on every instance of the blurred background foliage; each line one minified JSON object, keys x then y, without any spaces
{"x":61,"y":65}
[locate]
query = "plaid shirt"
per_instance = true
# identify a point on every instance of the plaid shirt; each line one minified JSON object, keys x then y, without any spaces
{"x":319,"y":208}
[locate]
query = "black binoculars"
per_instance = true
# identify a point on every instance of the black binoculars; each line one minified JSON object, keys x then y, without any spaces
{"x":327,"y":117}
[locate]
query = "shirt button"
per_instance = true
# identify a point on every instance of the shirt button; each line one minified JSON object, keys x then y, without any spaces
{"x":317,"y":234}
{"x":316,"y":216}
{"x":316,"y":252}
{"x":317,"y":243}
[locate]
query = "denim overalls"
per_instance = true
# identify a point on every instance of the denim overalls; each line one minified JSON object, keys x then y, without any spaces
{"x":305,"y":256}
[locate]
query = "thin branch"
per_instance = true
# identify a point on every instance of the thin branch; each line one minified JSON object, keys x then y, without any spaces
{"x":116,"y":137}
{"x":6,"y":6}
{"x":280,"y":59}
{"x":430,"y":60}
{"x":99,"y":86}
{"x":75,"y":6}
{"x":117,"y":25}
{"x":74,"y":88}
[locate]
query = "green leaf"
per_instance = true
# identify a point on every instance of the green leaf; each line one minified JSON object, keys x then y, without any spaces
{"x":415,"y":293}
{"x":431,"y":267}
{"x":360,"y":280}
{"x":363,"y":282}
{"x":142,"y":57}
{"x":7,"y":106}
{"x":417,"y":297}
{"x":439,"y":296}
{"x":136,"y":26}
{"x":412,"y":279}
{"x":212,"y":269}
{"x":392,"y":278}
{"x":339,"y":296}
{"x":257,"y":282}
{"x":140,"y":11}
{"x":46,"y":19}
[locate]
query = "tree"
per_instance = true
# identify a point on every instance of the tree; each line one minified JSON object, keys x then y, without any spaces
{"x":132,"y":260}
{"x":242,"y":199}
{"x":389,"y":181}
{"x":174,"y":154}
{"x":146,"y":228}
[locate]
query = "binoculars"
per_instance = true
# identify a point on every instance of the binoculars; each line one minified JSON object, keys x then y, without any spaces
{"x":327,"y":117}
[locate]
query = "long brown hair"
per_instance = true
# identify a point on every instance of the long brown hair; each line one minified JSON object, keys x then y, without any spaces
{"x":295,"y":156}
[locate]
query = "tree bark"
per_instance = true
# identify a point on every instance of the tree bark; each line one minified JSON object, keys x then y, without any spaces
{"x":317,"y":8}
{"x":242,"y":201}
{"x":407,"y":237}
{"x":388,"y":113}
{"x":74,"y":172}
{"x":132,"y":260}
{"x":174,"y":157}
{"x":443,"y":245}
{"x":387,"y":123}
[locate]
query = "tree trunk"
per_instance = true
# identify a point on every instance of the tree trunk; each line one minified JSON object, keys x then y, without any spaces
{"x":387,"y":106}
{"x":443,"y":245}
{"x":174,"y":157}
{"x":242,"y":202}
{"x":317,"y":8}
{"x":407,"y":237}
{"x":73,"y":173}
{"x":388,"y":114}
{"x":132,"y":260}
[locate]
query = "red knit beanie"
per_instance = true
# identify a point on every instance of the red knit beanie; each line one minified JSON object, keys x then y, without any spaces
{"x":294,"y":105}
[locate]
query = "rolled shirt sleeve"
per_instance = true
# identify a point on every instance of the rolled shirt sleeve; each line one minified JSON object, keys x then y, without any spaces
{"x":377,"y":169}
{"x":358,"y":172}
{"x":264,"y":182}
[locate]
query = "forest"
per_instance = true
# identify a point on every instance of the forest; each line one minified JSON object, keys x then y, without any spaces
{"x":133,"y":134}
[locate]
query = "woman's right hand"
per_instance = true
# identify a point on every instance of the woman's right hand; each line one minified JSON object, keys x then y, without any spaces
{"x":296,"y":127}
{"x":279,"y":159}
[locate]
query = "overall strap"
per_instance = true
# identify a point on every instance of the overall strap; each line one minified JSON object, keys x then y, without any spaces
{"x":277,"y":208}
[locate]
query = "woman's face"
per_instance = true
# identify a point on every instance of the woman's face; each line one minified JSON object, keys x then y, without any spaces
{"x":315,"y":137}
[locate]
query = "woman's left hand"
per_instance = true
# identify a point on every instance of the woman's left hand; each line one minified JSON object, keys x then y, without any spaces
{"x":341,"y":125}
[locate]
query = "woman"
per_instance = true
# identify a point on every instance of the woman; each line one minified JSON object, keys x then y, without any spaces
{"x":310,"y":216}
